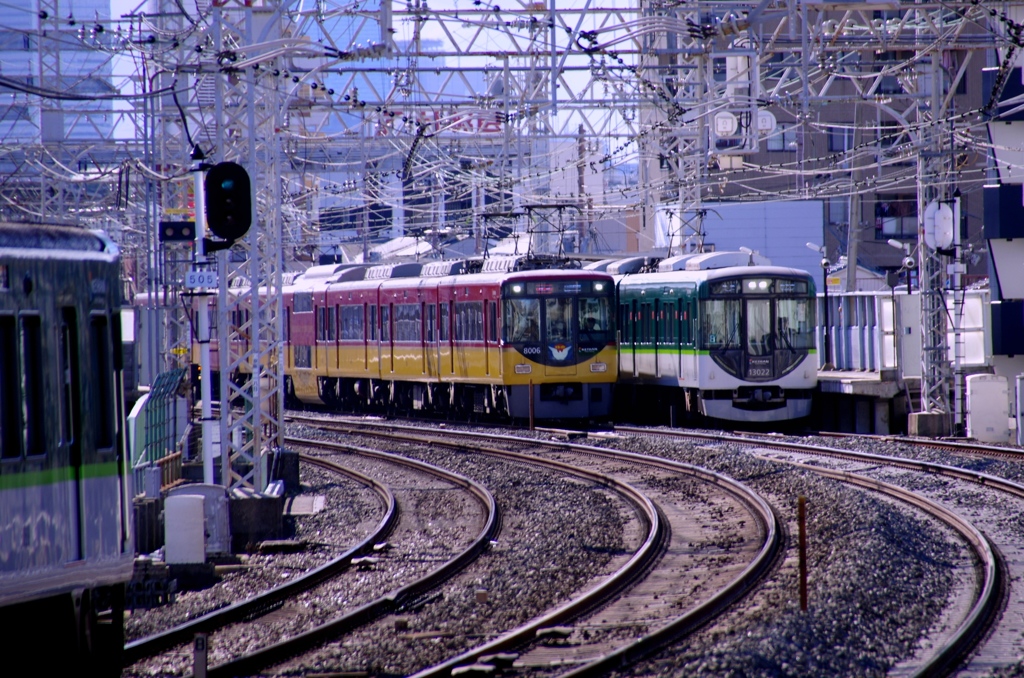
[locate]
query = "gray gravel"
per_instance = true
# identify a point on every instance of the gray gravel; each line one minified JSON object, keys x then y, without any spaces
{"x":557,"y":533}
{"x":878,"y":579}
{"x":351,"y":511}
{"x":880,"y":574}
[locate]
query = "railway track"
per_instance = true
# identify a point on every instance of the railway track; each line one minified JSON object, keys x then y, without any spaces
{"x":644,"y":615}
{"x":617,"y":622}
{"x":987,"y":633}
{"x":245,"y":612}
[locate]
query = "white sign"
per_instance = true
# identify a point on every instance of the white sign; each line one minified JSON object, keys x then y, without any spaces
{"x":201,"y":279}
{"x":726,"y":124}
{"x":766,"y":121}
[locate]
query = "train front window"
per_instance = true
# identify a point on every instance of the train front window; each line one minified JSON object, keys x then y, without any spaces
{"x":595,"y":318}
{"x":795,"y":324}
{"x":720,"y":328}
{"x":759,"y":327}
{"x":522,"y":320}
{"x":558,"y":317}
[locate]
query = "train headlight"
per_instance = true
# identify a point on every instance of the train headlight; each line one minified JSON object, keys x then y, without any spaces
{"x":757,"y":285}
{"x":598,"y":286}
{"x":517,"y":289}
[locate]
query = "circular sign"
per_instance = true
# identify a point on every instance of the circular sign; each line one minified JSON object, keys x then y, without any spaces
{"x":766,"y":121}
{"x":726,"y":124}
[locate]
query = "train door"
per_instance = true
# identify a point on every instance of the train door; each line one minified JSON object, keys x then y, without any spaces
{"x":373,"y":353}
{"x":634,"y":334}
{"x":366,"y":338}
{"x":334,"y":334}
{"x":559,"y":324}
{"x":387,"y":340}
{"x":492,"y":358}
{"x":319,"y":320}
{"x":431,"y":350}
{"x":687,"y":341}
{"x":658,"y":335}
{"x":758,"y":320}
{"x":103,"y":410}
{"x":71,"y":421}
{"x":446,"y":351}
{"x":288,"y":360}
{"x":647,"y":340}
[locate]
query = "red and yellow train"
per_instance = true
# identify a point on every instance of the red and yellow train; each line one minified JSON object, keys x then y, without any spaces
{"x":431,"y":337}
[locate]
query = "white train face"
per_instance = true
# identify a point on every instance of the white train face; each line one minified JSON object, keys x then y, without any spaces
{"x":758,"y":329}
{"x":740,"y":341}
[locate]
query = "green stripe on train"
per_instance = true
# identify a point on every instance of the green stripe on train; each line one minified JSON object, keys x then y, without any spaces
{"x":10,"y":480}
{"x":667,"y":350}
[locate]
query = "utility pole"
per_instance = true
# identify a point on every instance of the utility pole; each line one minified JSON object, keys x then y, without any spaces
{"x":933,"y":178}
{"x":250,"y":317}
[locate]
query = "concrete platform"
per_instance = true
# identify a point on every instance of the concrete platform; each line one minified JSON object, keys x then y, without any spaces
{"x":862,"y":401}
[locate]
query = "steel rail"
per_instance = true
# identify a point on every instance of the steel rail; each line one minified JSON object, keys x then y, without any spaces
{"x":697,"y":616}
{"x":251,"y":663}
{"x":973,"y":627}
{"x":983,"y":612}
{"x":269,"y":600}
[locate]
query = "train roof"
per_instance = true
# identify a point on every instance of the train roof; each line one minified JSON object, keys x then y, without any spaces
{"x":53,"y":238}
{"x":702,"y":261}
{"x":497,"y":278}
{"x":681,"y":276}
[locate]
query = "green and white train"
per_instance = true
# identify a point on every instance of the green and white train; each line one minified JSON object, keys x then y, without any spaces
{"x":66,"y":548}
{"x":715,"y":335}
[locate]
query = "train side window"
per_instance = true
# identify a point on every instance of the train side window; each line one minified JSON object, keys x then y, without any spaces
{"x":431,"y":319}
{"x":385,"y":323}
{"x":659,"y":322}
{"x":10,"y":399}
{"x":444,"y":328}
{"x":469,"y":321}
{"x":32,"y":384}
{"x":70,"y":382}
{"x":102,"y":391}
{"x":492,"y":321}
{"x":684,"y":327}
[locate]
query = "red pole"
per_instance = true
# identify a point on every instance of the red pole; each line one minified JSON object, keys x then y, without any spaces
{"x":801,"y":517}
{"x":531,"y":404}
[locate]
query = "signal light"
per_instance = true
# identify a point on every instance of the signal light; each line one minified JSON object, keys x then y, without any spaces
{"x":228,"y":200}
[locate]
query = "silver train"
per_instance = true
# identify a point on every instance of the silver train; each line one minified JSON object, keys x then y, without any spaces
{"x":716,"y":335}
{"x":66,"y":548}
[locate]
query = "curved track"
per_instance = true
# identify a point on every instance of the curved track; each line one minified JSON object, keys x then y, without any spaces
{"x":270,"y":600}
{"x":604,"y":657}
{"x":994,"y":574}
{"x":246,"y":611}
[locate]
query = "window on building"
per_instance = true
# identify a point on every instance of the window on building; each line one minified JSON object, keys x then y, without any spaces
{"x":840,"y":139}
{"x":838,"y":210}
{"x":783,"y":138}
{"x":896,"y":216}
